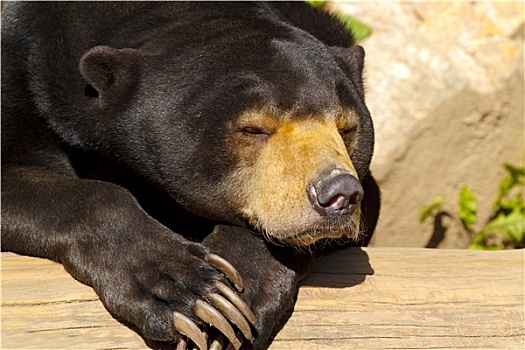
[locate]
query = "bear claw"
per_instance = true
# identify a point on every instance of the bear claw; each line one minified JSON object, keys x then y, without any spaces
{"x":225,"y":307}
{"x":227,"y":269}
{"x":237,"y":301}
{"x":232,"y":314}
{"x":218,"y":343}
{"x":212,"y":316}
{"x":185,"y":326}
{"x":182,"y":344}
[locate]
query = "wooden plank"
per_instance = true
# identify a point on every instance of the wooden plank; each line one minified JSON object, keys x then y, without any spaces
{"x":43,"y":307}
{"x":355,"y":299}
{"x":415,"y":299}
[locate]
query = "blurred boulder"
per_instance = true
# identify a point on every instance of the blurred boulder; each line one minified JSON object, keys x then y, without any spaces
{"x":445,"y":88}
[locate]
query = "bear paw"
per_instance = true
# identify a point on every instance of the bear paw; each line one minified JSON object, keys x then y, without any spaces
{"x":226,"y":306}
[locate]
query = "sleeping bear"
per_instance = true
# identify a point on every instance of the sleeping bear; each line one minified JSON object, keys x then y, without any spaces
{"x":188,"y":161}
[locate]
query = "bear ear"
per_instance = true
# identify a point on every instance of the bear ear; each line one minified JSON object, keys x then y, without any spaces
{"x":108,"y":70}
{"x":354,"y":58}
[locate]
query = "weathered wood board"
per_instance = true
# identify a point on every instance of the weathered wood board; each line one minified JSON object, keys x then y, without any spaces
{"x":372,"y":298}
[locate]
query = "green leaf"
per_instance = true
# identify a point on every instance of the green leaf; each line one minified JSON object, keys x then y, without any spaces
{"x":359,"y":30}
{"x":467,"y":207}
{"x":476,"y":246}
{"x":515,"y":172}
{"x":514,"y":178}
{"x":315,"y":3}
{"x":511,"y":225}
{"x":513,"y":203}
{"x":479,"y":243}
{"x":429,"y":210}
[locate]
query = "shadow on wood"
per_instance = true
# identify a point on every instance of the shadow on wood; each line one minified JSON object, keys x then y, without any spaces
{"x":334,"y":272}
{"x":370,"y":298}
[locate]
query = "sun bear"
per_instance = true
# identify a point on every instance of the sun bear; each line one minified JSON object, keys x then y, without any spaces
{"x":188,"y":161}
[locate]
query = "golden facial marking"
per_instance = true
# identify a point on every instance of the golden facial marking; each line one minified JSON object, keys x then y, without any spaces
{"x":273,"y":185}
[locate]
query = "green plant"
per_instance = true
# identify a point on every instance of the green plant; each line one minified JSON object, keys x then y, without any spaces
{"x":359,"y":29}
{"x":432,"y":208}
{"x":506,"y":228}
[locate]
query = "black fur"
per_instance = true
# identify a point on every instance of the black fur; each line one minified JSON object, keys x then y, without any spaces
{"x":113,"y":124}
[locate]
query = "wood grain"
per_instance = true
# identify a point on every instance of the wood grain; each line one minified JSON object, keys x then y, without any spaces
{"x":373,"y":298}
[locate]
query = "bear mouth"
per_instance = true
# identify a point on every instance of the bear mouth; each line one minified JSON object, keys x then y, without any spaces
{"x":306,"y":230}
{"x":312,"y":235}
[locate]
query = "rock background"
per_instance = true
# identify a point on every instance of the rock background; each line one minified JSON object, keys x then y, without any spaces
{"x":445,"y":89}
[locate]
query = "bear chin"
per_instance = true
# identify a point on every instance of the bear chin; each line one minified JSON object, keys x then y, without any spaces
{"x":311,"y":236}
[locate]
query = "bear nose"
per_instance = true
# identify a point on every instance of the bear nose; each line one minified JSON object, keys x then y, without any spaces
{"x":335,"y":195}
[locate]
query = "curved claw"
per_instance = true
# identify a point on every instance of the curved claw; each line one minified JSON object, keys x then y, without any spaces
{"x":229,"y":346}
{"x":182,"y":344}
{"x":218,"y":343}
{"x":184,"y":325}
{"x":237,"y":301}
{"x":232,"y":314}
{"x":210,"y":315}
{"x":227,"y":269}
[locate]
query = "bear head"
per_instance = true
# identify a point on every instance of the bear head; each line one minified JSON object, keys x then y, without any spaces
{"x":267,"y":131}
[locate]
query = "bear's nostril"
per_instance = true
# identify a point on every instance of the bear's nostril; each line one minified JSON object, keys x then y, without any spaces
{"x":338,"y":202}
{"x":339,"y":194}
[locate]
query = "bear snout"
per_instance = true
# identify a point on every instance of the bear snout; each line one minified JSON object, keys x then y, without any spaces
{"x":296,"y":201}
{"x":335,"y":195}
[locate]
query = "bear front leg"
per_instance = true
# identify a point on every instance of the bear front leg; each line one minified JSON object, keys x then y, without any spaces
{"x":270,"y":273}
{"x":145,"y":275}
